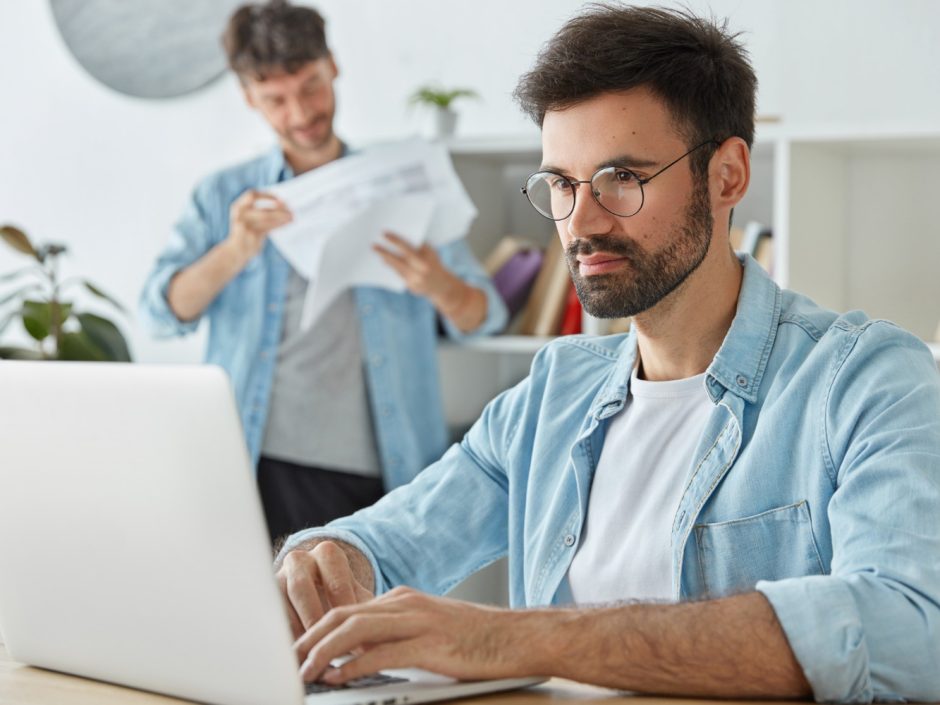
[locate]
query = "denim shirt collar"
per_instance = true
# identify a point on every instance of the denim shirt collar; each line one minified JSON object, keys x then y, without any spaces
{"x":741,"y":360}
{"x":277,"y":169}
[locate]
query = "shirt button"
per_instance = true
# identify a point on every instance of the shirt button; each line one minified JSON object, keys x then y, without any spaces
{"x":742,"y":381}
{"x":272,"y":308}
{"x":377,"y":360}
{"x":264,"y":354}
{"x":386,"y":411}
{"x":366,"y":310}
{"x":569,"y":540}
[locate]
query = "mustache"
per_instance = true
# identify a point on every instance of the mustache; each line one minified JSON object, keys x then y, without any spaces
{"x":602,"y":243}
{"x":307,"y":126}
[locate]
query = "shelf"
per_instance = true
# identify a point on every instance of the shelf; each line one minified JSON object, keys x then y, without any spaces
{"x":504,"y":148}
{"x":515,"y":344}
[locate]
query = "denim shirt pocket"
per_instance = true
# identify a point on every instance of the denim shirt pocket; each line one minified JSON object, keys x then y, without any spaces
{"x":773,"y":545}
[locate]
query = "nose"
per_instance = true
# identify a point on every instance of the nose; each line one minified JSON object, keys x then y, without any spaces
{"x":297,"y":112}
{"x":587,"y":218}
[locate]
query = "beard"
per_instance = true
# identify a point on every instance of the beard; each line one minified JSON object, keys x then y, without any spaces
{"x":299,"y":142}
{"x":650,"y":277}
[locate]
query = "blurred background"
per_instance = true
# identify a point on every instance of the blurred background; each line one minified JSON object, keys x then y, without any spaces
{"x":108,"y":174}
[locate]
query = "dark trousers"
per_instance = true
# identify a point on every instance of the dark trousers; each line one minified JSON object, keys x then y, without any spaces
{"x":296,"y":497}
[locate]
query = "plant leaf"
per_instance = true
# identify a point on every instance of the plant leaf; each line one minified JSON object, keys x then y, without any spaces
{"x":101,"y":295}
{"x":78,"y":346}
{"x":18,"y":240}
{"x":106,"y":336}
{"x":14,"y":353}
{"x":37,"y":319}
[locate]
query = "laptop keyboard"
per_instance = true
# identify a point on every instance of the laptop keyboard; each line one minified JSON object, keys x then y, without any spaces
{"x":365,"y":682}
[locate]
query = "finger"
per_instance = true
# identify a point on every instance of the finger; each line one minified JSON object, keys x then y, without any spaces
{"x":359,"y":630}
{"x":336,"y":618}
{"x":301,"y":579}
{"x":296,"y":626}
{"x":265,"y":220}
{"x":396,"y":262}
{"x":362,"y":594}
{"x":397,"y":654}
{"x":268,"y":201}
{"x":416,"y":257}
{"x":400,"y":242}
{"x":335,"y":575}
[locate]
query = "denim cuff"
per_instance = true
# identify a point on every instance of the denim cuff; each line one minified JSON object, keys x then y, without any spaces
{"x":821,"y":621}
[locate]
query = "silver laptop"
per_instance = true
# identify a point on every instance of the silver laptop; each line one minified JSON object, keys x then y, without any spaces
{"x":133,"y":547}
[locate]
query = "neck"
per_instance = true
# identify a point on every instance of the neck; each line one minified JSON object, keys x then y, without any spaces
{"x":303,"y":160}
{"x":681,"y":335}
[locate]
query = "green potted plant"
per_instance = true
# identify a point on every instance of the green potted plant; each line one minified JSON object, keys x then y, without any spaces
{"x":60,"y":331}
{"x":440,"y":100}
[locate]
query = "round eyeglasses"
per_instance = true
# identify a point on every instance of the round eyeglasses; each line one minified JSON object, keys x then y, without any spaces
{"x":616,"y":189}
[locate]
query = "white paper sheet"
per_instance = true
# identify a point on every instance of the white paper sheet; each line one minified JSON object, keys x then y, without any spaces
{"x":342,"y":208}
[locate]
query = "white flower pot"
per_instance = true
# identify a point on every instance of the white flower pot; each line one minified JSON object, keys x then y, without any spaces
{"x":445,"y":122}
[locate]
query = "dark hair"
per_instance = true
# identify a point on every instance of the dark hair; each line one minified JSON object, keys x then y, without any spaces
{"x":694,"y":65}
{"x":261,"y":40}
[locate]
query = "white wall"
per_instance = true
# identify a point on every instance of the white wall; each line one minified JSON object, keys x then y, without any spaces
{"x":108,"y":174}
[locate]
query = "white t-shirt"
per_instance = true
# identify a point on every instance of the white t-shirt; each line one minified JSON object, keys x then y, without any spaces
{"x":626,"y":547}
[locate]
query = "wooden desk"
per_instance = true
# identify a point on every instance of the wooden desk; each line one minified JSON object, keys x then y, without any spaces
{"x":24,"y":685}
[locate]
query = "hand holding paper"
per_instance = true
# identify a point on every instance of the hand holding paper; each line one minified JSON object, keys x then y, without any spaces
{"x":342,"y":209}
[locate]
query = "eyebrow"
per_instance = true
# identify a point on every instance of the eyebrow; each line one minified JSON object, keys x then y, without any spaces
{"x":624,"y":160}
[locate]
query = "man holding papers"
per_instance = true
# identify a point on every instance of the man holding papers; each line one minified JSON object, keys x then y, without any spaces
{"x":340,"y":406}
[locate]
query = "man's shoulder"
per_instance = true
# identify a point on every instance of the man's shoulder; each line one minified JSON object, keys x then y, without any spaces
{"x":580,"y":356}
{"x":852,"y":337}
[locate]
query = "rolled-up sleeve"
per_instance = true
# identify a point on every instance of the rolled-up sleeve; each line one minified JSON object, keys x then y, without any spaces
{"x":871,"y":629}
{"x":456,"y":256}
{"x":193,"y":236}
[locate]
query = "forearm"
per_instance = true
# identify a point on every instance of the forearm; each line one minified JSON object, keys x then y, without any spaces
{"x":728,"y":648}
{"x":463,"y":305}
{"x":192,"y":289}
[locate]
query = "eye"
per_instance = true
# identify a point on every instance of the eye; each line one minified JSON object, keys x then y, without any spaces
{"x":625,"y":177}
{"x":559,"y":183}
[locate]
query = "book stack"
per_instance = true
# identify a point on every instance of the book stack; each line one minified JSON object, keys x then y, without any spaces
{"x":536,"y":285}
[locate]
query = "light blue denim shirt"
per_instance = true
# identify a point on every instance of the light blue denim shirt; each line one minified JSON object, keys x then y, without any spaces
{"x":398,"y":330}
{"x":816,"y":482}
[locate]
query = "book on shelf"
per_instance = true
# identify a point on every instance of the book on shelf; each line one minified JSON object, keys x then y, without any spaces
{"x":571,"y":318}
{"x":513,"y":266}
{"x":545,"y":307}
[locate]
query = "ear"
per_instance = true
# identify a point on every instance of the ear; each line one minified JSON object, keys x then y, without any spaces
{"x":729,"y":173}
{"x":334,"y":69}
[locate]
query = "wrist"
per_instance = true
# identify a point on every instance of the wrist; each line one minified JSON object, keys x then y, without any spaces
{"x":452,"y":299}
{"x":543,"y":640}
{"x":236,"y":254}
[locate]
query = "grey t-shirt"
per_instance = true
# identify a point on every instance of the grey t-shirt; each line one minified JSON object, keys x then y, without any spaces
{"x":319,"y":409}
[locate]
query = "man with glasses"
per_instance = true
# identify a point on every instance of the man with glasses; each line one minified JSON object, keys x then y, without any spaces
{"x":739,"y":498}
{"x":337,"y":414}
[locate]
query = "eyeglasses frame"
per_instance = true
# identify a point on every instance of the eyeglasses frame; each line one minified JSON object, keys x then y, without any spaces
{"x":575,"y":183}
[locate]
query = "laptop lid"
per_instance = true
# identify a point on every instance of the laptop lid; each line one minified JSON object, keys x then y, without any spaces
{"x":133,"y":547}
